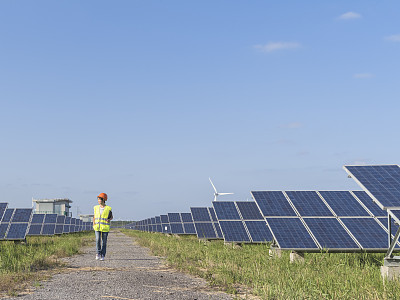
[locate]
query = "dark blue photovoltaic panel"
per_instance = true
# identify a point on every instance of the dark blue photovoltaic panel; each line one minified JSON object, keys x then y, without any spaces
{"x":153,"y":220}
{"x":17,"y":231}
{"x":8,"y":214}
{"x":249,"y":210}
{"x":59,"y":229}
{"x":226,"y":210}
{"x":369,"y":203}
{"x":233,"y":231}
{"x":273,"y":203}
{"x":384,"y":222}
{"x":73,"y":221}
{"x":37,"y":219}
{"x":50,"y":218}
{"x":212,"y":214}
{"x":382,"y":181}
{"x":174,"y":218}
{"x":166,"y":228}
{"x":343,"y":203}
{"x":3,"y":207}
{"x":186,"y":217}
{"x":35,"y":229}
{"x":291,"y":234}
{"x":158,"y":220}
{"x":66,"y":228}
{"x":67,"y":220}
{"x":3,"y":230}
{"x":48,"y":229}
{"x":205,"y":230}
{"x":218,"y":230}
{"x":177,"y":228}
{"x":189,"y":228}
{"x":159,"y":229}
{"x":60,"y":220}
{"x":22,"y":215}
{"x":200,"y":214}
{"x":330,"y":234}
{"x":164,"y":219}
{"x":308,"y":203}
{"x":259,"y":231}
{"x":367,"y":232}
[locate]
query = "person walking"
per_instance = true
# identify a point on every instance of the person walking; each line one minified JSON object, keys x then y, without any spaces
{"x":101,"y":225}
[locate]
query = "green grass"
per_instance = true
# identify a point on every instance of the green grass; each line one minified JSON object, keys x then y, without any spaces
{"x":20,"y":262}
{"x":320,"y":276}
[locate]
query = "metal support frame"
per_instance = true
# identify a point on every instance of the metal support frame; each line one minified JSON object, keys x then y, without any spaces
{"x":389,"y":253}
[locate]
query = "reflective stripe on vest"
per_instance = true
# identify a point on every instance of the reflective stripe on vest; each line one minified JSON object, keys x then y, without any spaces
{"x":100,"y":221}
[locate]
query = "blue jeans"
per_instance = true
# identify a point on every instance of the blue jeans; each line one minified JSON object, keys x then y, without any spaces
{"x":101,"y":242}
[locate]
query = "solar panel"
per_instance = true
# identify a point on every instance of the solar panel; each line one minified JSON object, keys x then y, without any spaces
{"x":189,"y":228}
{"x":37,"y":219}
{"x":158,"y":220}
{"x":174,"y":218}
{"x":50,"y":218}
{"x":226,"y":210}
{"x":186,"y":218}
{"x":369,"y":203}
{"x":200,"y":214}
{"x":212,"y":214}
{"x":166,"y":228}
{"x":290,"y":233}
{"x":330,"y":234}
{"x":308,"y":203}
{"x":3,"y":230}
{"x":164,"y":219}
{"x":233,"y":231}
{"x":176,"y":228}
{"x":22,"y":215}
{"x":60,"y":220}
{"x":35,"y":229}
{"x":343,"y":203}
{"x":259,"y":231}
{"x":17,"y":231}
{"x":249,"y":210}
{"x":273,"y":203}
{"x":48,"y":229}
{"x":367,"y":232}
{"x":7,"y":215}
{"x":59,"y":229}
{"x":159,"y":228}
{"x":381,"y":182}
{"x":3,"y":207}
{"x":205,"y":230}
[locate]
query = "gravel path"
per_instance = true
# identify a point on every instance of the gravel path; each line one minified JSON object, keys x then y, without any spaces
{"x":129,"y":273}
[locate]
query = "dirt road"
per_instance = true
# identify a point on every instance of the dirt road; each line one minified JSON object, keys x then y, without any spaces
{"x":129,"y":273}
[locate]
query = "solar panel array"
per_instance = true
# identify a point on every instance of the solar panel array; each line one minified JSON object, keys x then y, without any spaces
{"x":323,"y":220}
{"x":337,"y":221}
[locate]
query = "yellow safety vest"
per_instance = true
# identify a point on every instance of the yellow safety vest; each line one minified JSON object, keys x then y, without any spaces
{"x":100,"y":221}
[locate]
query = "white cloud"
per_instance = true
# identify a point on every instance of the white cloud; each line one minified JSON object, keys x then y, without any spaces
{"x":275,"y":46}
{"x":393,"y":38}
{"x":292,"y":125}
{"x":363,"y":75}
{"x":350,"y":16}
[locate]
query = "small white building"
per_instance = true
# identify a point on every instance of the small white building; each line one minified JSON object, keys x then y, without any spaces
{"x":60,"y":206}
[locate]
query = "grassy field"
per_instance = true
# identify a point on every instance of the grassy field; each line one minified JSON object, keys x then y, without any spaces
{"x":233,"y":268}
{"x":23,"y":263}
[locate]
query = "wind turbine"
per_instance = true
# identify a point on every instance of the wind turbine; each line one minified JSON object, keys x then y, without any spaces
{"x":216,"y":194}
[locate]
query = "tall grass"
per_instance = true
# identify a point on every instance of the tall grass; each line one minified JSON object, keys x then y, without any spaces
{"x":320,"y":276}
{"x":19,"y":262}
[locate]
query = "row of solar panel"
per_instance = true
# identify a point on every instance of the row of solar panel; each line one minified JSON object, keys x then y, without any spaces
{"x":16,"y":223}
{"x":361,"y":225}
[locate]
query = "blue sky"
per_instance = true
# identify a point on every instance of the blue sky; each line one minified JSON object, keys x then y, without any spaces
{"x":145,"y":100}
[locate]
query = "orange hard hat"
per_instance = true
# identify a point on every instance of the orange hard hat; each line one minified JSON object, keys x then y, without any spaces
{"x":102,"y":195}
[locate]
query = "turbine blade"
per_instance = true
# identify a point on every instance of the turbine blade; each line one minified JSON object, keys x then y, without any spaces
{"x":225,"y":193}
{"x":213,"y":186}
